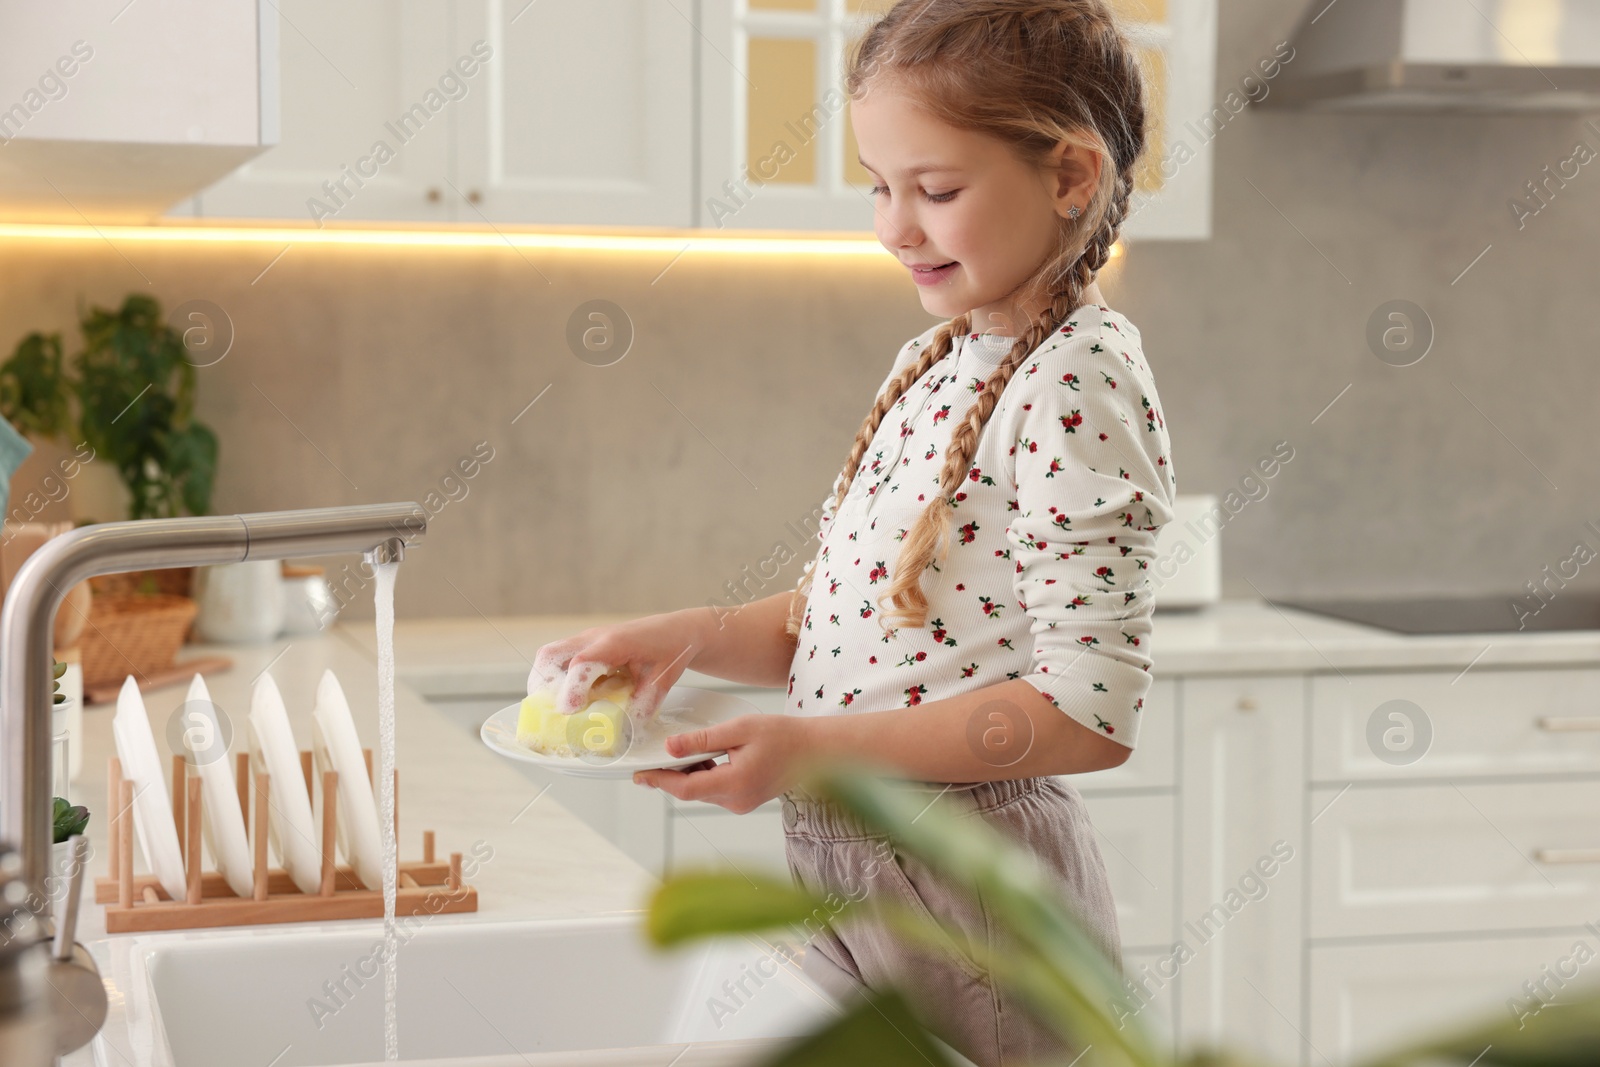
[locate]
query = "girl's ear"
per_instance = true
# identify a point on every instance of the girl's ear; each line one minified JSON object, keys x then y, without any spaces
{"x":1077,"y":176}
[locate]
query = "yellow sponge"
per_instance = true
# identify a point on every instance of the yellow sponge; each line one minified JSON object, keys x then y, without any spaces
{"x":599,"y":728}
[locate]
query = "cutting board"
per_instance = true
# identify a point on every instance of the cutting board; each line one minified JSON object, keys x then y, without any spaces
{"x":181,"y":671}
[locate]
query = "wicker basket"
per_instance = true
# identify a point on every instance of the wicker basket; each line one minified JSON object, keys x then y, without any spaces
{"x":173,"y":581}
{"x":133,"y":633}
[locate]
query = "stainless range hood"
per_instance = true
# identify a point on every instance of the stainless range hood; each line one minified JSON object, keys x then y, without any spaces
{"x":1444,"y":55}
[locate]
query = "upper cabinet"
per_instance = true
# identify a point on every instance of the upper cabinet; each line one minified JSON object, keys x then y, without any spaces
{"x":1176,"y":41}
{"x":585,"y":115}
{"x":478,"y":111}
{"x":371,"y":100}
{"x":112,"y":111}
{"x":777,"y":151}
{"x":629,"y":113}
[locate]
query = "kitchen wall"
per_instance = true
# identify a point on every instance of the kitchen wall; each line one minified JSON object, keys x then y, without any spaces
{"x":363,"y":375}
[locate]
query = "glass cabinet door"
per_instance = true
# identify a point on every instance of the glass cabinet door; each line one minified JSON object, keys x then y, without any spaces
{"x":777,"y":151}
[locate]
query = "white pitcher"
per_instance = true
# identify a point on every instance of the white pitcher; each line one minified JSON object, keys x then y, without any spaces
{"x":239,"y":602}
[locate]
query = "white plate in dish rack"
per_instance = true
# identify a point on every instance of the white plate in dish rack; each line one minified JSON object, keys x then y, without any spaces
{"x":683,"y":708}
{"x":152,"y":809}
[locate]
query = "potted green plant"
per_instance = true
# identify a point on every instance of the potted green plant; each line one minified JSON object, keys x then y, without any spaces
{"x":136,"y":389}
{"x":128,"y":395}
{"x":1051,"y":963}
{"x":125,"y":402}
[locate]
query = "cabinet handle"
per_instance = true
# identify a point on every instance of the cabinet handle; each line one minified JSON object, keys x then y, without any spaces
{"x":1569,"y":724}
{"x":434,"y":195}
{"x":1247,"y":704}
{"x":1556,"y":856}
{"x":474,"y":197}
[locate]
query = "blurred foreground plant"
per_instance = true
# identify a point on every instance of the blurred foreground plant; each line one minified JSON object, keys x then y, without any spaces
{"x":1050,"y":961}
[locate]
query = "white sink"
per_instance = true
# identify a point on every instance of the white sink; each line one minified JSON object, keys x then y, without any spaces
{"x":588,"y":991}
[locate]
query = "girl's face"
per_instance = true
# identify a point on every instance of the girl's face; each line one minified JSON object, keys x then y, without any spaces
{"x":975,"y":206}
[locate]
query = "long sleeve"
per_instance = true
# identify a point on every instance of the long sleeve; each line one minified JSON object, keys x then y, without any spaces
{"x":1093,"y":486}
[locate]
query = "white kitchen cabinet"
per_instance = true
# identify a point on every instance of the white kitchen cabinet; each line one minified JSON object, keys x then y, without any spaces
{"x":1176,"y":41}
{"x":1241,"y":864}
{"x":113,"y":111}
{"x":778,"y":152}
{"x":477,"y":111}
{"x":629,"y":113}
{"x":1136,"y":838}
{"x":1155,"y":1004}
{"x":1365,"y":999}
{"x":1455,"y":725}
{"x":585,"y":115}
{"x":372,"y":101}
{"x":705,"y":836}
{"x":1454,"y":857}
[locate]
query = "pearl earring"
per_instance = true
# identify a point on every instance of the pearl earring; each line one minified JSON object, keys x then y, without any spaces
{"x":1073,"y":212}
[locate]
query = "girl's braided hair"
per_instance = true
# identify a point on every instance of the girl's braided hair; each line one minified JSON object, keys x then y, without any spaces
{"x":1034,"y":75}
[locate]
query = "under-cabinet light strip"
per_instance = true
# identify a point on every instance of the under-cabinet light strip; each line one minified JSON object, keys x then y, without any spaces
{"x":464,"y":238}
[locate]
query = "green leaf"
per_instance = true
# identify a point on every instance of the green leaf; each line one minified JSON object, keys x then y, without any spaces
{"x":694,"y":905}
{"x":192,"y":464}
{"x":67,"y":819}
{"x":136,"y":391}
{"x":876,"y":1029}
{"x":33,"y":388}
{"x":1561,"y":1033}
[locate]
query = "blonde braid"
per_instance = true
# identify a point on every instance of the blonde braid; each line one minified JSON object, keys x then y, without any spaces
{"x":943,"y":341}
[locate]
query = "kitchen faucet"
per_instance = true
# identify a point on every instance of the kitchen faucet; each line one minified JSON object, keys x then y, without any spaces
{"x":51,"y":998}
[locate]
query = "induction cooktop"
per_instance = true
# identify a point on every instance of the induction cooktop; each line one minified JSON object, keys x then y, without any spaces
{"x":1503,"y":613}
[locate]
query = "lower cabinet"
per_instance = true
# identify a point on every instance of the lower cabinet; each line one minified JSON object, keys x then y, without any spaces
{"x":1367,"y":999}
{"x":1241,"y":865}
{"x":1151,"y":997}
{"x":704,"y":835}
{"x":1289,"y":886}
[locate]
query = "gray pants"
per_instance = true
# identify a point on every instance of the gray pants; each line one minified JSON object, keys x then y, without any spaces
{"x":830,"y":852}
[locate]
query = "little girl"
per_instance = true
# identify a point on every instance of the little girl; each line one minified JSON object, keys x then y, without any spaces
{"x":977,"y":618}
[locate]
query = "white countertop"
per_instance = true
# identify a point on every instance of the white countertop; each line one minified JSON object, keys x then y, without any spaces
{"x":491,"y":656}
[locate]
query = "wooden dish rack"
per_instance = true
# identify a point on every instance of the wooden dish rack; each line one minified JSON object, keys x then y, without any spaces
{"x":139,"y":903}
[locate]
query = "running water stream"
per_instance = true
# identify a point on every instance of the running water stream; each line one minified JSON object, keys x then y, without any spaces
{"x":383,"y":595}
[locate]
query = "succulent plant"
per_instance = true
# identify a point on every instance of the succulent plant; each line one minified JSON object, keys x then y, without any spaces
{"x":69,"y":819}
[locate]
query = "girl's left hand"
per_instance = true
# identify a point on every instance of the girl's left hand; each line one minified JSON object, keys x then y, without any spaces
{"x":763,"y":754}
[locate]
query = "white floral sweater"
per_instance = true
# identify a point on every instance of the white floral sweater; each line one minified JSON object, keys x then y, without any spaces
{"x":1051,"y":538}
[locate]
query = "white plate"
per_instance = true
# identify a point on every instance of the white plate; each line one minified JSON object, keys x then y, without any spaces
{"x":289,"y":826}
{"x":338,"y":748}
{"x":220,"y":818}
{"x":152,"y":804}
{"x":683,"y":708}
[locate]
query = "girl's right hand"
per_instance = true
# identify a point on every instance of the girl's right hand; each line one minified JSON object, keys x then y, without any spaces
{"x":656,"y":650}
